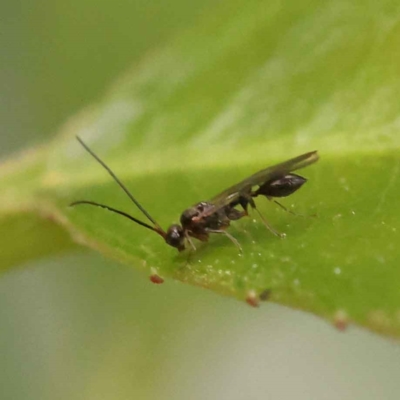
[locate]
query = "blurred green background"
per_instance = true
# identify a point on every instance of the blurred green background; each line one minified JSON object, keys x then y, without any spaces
{"x":57,"y":57}
{"x":80,"y":327}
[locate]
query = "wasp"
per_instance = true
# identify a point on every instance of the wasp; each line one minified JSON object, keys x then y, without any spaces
{"x":215,"y":215}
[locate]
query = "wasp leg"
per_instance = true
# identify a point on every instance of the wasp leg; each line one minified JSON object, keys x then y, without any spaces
{"x":234,"y":241}
{"x":192,"y":250}
{"x":283,"y":207}
{"x":267,"y":225}
{"x":234,"y":214}
{"x":290,"y":211}
{"x":189,"y":239}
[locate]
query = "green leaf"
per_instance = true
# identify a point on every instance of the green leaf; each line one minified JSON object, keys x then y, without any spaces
{"x":254,"y":84}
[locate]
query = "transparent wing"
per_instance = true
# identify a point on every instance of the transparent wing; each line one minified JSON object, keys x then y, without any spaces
{"x":232,"y":193}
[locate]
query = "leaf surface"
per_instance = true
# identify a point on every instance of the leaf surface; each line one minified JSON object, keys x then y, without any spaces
{"x":252,"y":85}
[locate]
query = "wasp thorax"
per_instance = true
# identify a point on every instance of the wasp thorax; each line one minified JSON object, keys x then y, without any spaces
{"x":175,"y":237}
{"x":188,"y":217}
{"x":282,"y":187}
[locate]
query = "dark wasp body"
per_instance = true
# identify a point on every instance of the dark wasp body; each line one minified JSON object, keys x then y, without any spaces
{"x":215,"y":215}
{"x":205,"y":218}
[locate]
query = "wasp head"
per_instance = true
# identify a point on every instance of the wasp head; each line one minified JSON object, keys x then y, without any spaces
{"x":175,"y":237}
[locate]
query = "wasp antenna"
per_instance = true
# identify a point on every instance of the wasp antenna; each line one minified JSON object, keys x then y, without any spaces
{"x":124,"y":214}
{"x":124,"y":188}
